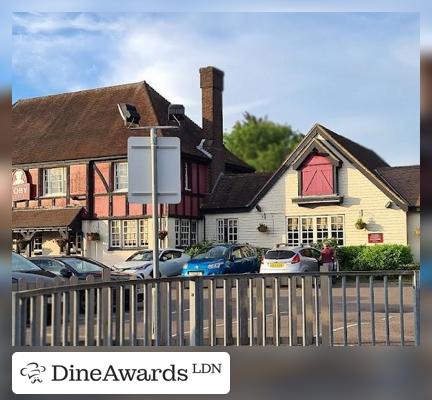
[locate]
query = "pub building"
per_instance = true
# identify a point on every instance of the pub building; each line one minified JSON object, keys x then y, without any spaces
{"x":328,"y":187}
{"x":69,"y":171}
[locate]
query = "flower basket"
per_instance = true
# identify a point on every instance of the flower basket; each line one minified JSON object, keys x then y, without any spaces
{"x":93,"y":236}
{"x":360,"y":224}
{"x":262,"y":228}
{"x":163,"y":235}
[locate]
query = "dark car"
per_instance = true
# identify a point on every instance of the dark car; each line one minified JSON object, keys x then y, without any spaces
{"x":81,"y":267}
{"x":28,"y":271}
{"x":223,"y":259}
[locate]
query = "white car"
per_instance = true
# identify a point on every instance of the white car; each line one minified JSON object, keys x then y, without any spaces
{"x":171,"y":262}
{"x":290,"y":259}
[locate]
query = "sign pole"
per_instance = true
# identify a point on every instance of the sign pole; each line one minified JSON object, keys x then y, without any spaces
{"x":155,"y":209}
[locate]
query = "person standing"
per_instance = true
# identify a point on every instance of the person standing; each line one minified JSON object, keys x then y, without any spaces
{"x":327,"y":257}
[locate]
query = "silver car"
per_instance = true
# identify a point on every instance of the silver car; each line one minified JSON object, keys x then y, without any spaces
{"x":290,"y":259}
{"x":171,"y":262}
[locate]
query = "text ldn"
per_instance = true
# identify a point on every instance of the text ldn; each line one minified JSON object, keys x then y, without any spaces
{"x":204,"y":368}
{"x":62,"y":373}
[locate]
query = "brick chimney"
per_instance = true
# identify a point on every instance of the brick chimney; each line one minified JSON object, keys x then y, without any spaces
{"x":211,"y":83}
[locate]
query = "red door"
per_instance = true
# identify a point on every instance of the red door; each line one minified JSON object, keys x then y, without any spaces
{"x":317,"y":177}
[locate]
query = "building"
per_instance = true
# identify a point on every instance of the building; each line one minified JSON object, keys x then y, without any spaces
{"x":69,"y":186}
{"x":322,"y":189}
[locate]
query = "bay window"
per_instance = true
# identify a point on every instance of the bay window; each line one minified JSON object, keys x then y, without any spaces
{"x":308,"y":230}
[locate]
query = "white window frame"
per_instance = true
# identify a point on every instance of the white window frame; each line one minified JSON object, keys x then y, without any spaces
{"x":293,"y":231}
{"x":115,"y":233}
{"x":314,"y":235}
{"x":227,"y":230}
{"x":120,"y":185}
{"x":129,"y":233}
{"x":48,"y":182}
{"x":37,"y":244}
{"x":186,"y":232}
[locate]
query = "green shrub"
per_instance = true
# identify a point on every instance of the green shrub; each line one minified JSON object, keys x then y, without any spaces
{"x":372,"y":258}
{"x":199,"y":248}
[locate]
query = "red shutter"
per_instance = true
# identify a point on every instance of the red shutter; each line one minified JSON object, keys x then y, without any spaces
{"x":317,"y":176}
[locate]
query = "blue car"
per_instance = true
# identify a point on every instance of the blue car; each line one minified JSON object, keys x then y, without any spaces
{"x":223,"y":259}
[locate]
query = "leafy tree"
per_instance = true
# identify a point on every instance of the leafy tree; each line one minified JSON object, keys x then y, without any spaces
{"x":261,"y":143}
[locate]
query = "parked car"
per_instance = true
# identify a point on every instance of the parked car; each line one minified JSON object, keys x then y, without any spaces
{"x":22,"y":268}
{"x":223,"y":259}
{"x":291,"y":259}
{"x":81,"y":267}
{"x":140,"y":263}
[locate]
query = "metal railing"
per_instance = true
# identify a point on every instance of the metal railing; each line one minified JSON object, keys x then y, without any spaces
{"x":330,"y":309}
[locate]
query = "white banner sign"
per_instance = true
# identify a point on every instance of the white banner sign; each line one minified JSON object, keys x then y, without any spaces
{"x":121,"y":373}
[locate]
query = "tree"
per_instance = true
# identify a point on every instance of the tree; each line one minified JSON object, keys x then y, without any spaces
{"x":261,"y":143}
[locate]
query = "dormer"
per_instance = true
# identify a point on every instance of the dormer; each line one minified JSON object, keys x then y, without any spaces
{"x":317,"y":169}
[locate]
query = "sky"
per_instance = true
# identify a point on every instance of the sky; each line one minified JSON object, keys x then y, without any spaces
{"x":356,"y":73}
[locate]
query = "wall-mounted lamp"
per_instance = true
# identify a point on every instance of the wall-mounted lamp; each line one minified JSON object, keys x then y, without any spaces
{"x":388,"y":204}
{"x":417,"y":232}
{"x":258,"y":208}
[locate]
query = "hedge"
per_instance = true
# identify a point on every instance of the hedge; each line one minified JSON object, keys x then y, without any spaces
{"x":373,"y":258}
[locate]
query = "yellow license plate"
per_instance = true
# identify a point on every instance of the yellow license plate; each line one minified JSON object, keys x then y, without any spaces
{"x":277,"y":265}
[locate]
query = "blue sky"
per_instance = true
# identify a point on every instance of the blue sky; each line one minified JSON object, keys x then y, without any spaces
{"x":357,"y":73}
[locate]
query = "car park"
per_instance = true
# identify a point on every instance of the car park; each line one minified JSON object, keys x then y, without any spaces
{"x":223,"y":259}
{"x":81,"y":267}
{"x":171,"y":262}
{"x":291,"y":259}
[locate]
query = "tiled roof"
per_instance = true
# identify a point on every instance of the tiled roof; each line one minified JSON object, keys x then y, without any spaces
{"x":44,"y":218}
{"x":405,"y":180}
{"x":234,"y":191}
{"x":367,"y":157}
{"x":87,"y":125}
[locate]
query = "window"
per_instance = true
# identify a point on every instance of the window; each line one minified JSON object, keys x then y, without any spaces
{"x":75,"y":240}
{"x":337,"y":229}
{"x":129,"y":233}
{"x":314,"y":229}
{"x":121,"y":176}
{"x":37,"y":244}
{"x":322,"y":228}
{"x":187,"y":176}
{"x":116,"y":233}
{"x":293,"y":232}
{"x":54,"y":181}
{"x":227,"y":230}
{"x":307,"y":233}
{"x":143,"y":232}
{"x":186,"y":232}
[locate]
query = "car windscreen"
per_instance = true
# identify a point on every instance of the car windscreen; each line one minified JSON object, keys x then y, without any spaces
{"x":279,"y":255}
{"x":214,"y":252}
{"x":21,"y":264}
{"x":82,"y":266}
{"x":142,"y":256}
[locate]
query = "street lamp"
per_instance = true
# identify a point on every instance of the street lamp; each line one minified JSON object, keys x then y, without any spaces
{"x":131,"y":118}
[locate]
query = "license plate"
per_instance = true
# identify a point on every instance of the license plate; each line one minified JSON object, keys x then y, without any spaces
{"x":277,"y":265}
{"x":195,"y":273}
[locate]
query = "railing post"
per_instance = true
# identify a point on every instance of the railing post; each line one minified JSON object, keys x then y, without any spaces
{"x":196,"y":311}
{"x":416,"y":307}
{"x":227,"y":322}
{"x":242,"y":311}
{"x":56,"y":311}
{"x":325,"y":307}
{"x":106,"y":309}
{"x":307,"y":317}
{"x":292,"y":310}
{"x":163,"y":314}
{"x":16,"y":319}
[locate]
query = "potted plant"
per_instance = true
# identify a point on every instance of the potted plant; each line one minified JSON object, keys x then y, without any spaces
{"x":262,"y":228}
{"x":93,"y":236}
{"x":163,"y":234}
{"x":360,"y":224}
